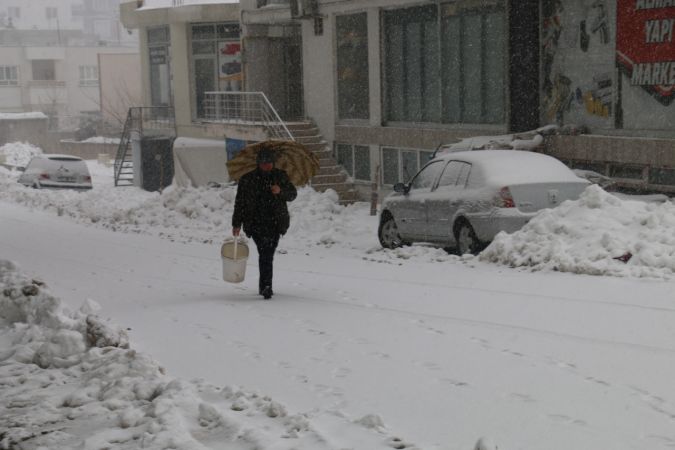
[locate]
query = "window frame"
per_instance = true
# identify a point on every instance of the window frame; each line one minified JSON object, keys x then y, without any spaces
{"x":360,"y":116}
{"x":499,"y":119}
{"x":214,"y":38}
{"x":9,"y":81}
{"x":421,"y":162}
{"x":352,"y":149}
{"x":88,"y":75}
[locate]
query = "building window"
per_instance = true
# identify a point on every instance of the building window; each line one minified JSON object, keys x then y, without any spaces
{"x":9,"y":76}
{"x":43,"y":70}
{"x":662,"y":176}
{"x":626,"y":172}
{"x":160,"y":72}
{"x":88,"y":76}
{"x":352,"y":66}
{"x":473,"y":65}
{"x":14,"y":12}
{"x":51,"y":12}
{"x":454,"y":73}
{"x":400,"y":165}
{"x":261,"y":3}
{"x":355,"y":159}
{"x":216,"y":60}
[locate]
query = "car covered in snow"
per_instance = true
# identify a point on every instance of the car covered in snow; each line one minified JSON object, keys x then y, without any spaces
{"x":462,"y":200}
{"x":56,"y":172}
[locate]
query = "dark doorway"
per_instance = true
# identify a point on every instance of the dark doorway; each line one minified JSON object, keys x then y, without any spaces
{"x":293,"y":75}
{"x":524,"y":65}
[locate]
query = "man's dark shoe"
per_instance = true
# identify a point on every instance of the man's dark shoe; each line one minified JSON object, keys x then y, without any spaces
{"x":267,"y":292}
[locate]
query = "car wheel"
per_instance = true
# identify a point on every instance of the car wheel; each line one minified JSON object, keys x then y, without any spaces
{"x":388,"y":233}
{"x":35,"y":186}
{"x":467,"y":241}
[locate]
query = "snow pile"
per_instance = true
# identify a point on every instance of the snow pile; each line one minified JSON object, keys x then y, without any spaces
{"x":599,"y":234}
{"x":69,"y":380}
{"x":101,"y":140}
{"x":19,"y":153}
{"x":22,"y":116}
{"x":195,"y":214}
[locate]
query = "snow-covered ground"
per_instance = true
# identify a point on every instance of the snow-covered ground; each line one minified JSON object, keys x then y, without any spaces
{"x":360,"y":348}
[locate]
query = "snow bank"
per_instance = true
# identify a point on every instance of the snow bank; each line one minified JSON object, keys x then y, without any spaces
{"x":69,"y":380}
{"x":196,"y":214}
{"x":19,"y":153}
{"x":594,"y":235}
{"x":101,"y":140}
{"x":22,"y":116}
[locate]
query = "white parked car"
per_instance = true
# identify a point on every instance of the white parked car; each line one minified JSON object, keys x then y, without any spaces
{"x":462,"y":200}
{"x":56,"y":171}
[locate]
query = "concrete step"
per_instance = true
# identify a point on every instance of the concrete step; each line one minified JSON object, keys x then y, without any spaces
{"x":310,"y":139}
{"x":329,"y":170}
{"x":338,"y":187}
{"x":318,"y":146}
{"x":302,"y":132}
{"x":329,"y":179}
{"x":349,"y":197}
{"x":327,"y":162}
{"x":326,"y":153}
{"x":294,"y":126}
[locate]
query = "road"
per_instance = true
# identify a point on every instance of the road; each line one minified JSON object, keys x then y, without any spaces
{"x":444,"y":352}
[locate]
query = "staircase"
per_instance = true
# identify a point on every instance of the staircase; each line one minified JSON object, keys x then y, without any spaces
{"x":331,"y":175}
{"x":145,"y":121}
{"x":124,"y":166}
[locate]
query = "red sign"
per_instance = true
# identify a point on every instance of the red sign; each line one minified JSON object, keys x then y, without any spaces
{"x":645,"y":45}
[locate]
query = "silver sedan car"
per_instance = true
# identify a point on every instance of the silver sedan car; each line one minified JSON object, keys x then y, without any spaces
{"x":56,"y":172}
{"x":462,"y":200}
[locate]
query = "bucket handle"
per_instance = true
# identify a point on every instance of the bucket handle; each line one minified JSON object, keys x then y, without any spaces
{"x":236,"y":240}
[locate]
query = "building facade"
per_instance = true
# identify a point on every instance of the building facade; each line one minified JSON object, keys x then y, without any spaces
{"x":97,"y":20}
{"x":389,"y":81}
{"x":186,"y":51}
{"x":60,"y":80}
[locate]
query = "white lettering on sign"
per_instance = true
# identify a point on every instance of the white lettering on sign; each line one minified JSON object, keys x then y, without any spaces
{"x":653,"y":4}
{"x":653,"y":74}
{"x":658,"y":31}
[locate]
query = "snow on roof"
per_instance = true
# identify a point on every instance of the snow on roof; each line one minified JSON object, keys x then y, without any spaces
{"x":22,"y":116}
{"x":153,"y":4}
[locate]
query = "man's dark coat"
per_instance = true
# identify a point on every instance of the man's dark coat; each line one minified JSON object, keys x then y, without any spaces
{"x":260,"y":211}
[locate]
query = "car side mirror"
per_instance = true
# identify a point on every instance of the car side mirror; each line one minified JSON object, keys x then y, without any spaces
{"x":401,"y":188}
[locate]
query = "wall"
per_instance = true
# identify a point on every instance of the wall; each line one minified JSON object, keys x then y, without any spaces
{"x":318,"y":56}
{"x":119,"y":85}
{"x":24,"y":130}
{"x":589,"y":48}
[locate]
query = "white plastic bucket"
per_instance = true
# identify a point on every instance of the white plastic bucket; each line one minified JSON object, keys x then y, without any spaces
{"x":234,"y":255}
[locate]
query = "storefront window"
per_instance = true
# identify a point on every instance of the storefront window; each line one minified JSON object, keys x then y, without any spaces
{"x":473,"y":59}
{"x":452,"y":74}
{"x":216,"y":60}
{"x":411,"y":64}
{"x":355,"y":159}
{"x":352,"y":66}
{"x":160,"y":72}
{"x":401,"y":165}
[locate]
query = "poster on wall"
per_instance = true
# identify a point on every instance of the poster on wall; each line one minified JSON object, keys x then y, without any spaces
{"x":578,"y":72}
{"x":229,"y":65}
{"x":645,"y":46}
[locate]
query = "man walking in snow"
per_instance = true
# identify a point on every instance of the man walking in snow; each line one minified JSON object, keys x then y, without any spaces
{"x":260,"y":206}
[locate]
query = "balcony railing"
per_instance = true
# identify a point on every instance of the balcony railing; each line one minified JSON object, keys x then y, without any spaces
{"x":245,"y":108}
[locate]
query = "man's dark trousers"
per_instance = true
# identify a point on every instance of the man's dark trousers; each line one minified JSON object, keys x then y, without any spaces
{"x":267,"y":245}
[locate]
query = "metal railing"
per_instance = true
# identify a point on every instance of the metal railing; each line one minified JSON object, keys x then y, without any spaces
{"x":142,"y":120}
{"x":245,"y":108}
